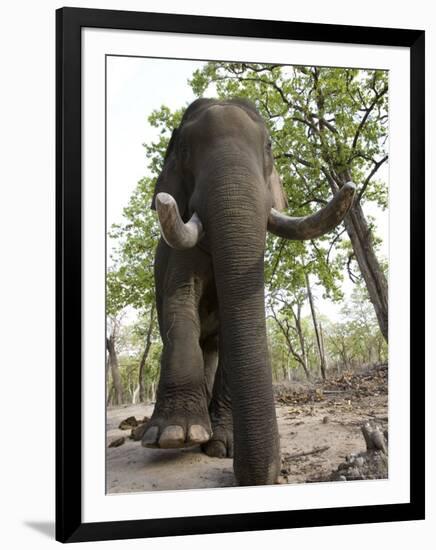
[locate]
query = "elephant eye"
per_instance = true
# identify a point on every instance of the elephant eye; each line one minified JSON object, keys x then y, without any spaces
{"x":269,"y":145}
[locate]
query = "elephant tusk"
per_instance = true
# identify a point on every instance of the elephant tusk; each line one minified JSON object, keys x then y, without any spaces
{"x":175,"y":231}
{"x":314,"y":225}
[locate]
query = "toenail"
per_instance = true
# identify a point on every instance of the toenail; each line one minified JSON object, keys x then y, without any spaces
{"x":172,"y":437}
{"x":198,"y":434}
{"x":150,"y":437}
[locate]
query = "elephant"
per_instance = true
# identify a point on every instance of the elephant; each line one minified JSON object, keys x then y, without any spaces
{"x":216,"y":197}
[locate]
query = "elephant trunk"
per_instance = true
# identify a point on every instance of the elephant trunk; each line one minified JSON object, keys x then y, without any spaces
{"x":237,"y":250}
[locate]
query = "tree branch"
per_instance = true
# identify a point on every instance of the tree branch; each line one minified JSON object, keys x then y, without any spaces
{"x":370,"y":175}
{"x":378,"y":96}
{"x":282,"y":245}
{"x":333,"y":243}
{"x":314,"y":199}
{"x":287,"y":338}
{"x":353,"y":278}
{"x":295,"y":157}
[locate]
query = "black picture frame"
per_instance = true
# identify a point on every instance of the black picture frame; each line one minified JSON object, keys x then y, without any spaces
{"x":69,"y":525}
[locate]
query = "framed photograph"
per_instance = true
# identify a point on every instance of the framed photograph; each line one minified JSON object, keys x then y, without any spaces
{"x":240,"y":275}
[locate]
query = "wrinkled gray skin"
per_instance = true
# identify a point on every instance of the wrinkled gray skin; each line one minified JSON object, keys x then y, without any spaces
{"x":219,"y":165}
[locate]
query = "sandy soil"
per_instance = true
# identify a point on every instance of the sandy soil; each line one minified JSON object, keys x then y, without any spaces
{"x":331,"y":419}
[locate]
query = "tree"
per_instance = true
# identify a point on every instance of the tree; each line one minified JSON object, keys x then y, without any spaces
{"x":130,"y":279}
{"x":114,"y":325}
{"x":356,"y":340}
{"x":316,"y":329}
{"x":130,"y":282}
{"x":289,"y":321}
{"x":148,"y":342}
{"x":328,"y":126}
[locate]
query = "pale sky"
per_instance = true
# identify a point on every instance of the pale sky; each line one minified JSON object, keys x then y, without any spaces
{"x":135,"y":87}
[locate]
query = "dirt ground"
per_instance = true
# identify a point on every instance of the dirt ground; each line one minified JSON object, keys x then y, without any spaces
{"x":321,"y":419}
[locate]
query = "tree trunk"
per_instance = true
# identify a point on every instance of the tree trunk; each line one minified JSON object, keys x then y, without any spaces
{"x":144,"y":356}
{"x":315,"y":326}
{"x":361,"y":241}
{"x":321,"y":334}
{"x":284,"y":365}
{"x":135,"y":396}
{"x":301,"y":358}
{"x":115,"y":370}
{"x":375,"y":280}
{"x":109,"y":395}
{"x":107,"y":377}
{"x":302,"y":342}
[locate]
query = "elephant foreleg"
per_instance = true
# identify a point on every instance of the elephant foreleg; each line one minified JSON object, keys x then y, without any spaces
{"x":180,"y":417}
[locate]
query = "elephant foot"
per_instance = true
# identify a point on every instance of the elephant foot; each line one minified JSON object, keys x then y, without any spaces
{"x":176,"y":431}
{"x":221,"y":443}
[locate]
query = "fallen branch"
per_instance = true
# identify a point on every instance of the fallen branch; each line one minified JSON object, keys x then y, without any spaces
{"x":314,"y":451}
{"x":379,"y":418}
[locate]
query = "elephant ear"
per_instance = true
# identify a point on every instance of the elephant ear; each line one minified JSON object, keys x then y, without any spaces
{"x":169,"y":180}
{"x":279,"y":199}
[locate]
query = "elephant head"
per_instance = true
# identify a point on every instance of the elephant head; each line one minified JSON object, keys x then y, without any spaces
{"x":219,"y":189}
